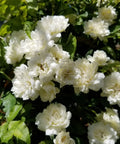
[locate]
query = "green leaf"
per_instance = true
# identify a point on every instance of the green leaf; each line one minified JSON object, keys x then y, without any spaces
{"x":3,"y":129}
{"x":14,"y":112}
{"x":5,"y":136}
{"x":4,"y":29}
{"x":70,"y":45}
{"x":2,"y":11}
{"x":116,"y":29}
{"x":13,"y":2}
{"x":8,"y":103}
{"x":18,"y":129}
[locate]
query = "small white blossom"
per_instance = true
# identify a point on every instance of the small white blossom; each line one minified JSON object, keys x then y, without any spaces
{"x":58,"y":53}
{"x":111,"y":88}
{"x":108,"y":14}
{"x":65,"y":73}
{"x":97,"y":82}
{"x":110,"y":116}
{"x":24,"y":86}
{"x":63,"y":138}
{"x":35,"y":44}
{"x":100,"y":57}
{"x":53,"y":119}
{"x":53,"y":25}
{"x":48,"y":91}
{"x":96,"y":28}
{"x":101,"y":133}
{"x":14,"y":53}
{"x":42,"y":65}
{"x":85,"y":75}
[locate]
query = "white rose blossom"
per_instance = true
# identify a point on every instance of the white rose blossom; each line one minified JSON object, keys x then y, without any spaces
{"x":43,"y":66}
{"x":53,"y":25}
{"x":100,"y":57}
{"x":14,"y":53}
{"x":65,"y":73}
{"x":48,"y":91}
{"x":96,"y":28}
{"x":63,"y":138}
{"x":108,"y":14}
{"x":58,"y":53}
{"x":24,"y":86}
{"x":110,"y":116}
{"x":111,"y":88}
{"x":101,"y":133}
{"x":87,"y":77}
{"x":35,"y":44}
{"x":53,"y":119}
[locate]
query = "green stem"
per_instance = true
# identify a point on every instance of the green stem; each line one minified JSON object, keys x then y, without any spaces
{"x":7,"y":77}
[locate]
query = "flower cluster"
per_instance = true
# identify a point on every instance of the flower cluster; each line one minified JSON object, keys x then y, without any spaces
{"x":106,"y":129}
{"x":47,"y":63}
{"x":98,"y":27}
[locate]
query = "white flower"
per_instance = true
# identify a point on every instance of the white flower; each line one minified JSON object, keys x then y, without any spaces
{"x":111,"y":117}
{"x":14,"y":52}
{"x":42,"y":65}
{"x":53,"y":25}
{"x":53,"y":119}
{"x":96,"y":28}
{"x":63,"y":138}
{"x":97,"y":82}
{"x":111,"y":88}
{"x":101,"y":133}
{"x":86,"y":76}
{"x":58,"y":53}
{"x":100,"y":57}
{"x":35,"y":44}
{"x":48,"y":91}
{"x":108,"y":14}
{"x":24,"y":86}
{"x":65,"y":73}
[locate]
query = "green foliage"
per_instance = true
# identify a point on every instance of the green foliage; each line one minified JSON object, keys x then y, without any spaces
{"x":17,"y":118}
{"x":11,"y":109}
{"x":9,"y":102}
{"x":70,"y":44}
{"x":17,"y":129}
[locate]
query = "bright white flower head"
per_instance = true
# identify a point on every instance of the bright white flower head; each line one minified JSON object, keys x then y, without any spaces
{"x":96,"y":28}
{"x":87,"y":76}
{"x":14,"y":52}
{"x":63,"y":138}
{"x":111,"y":88}
{"x":108,"y":14}
{"x":97,"y":82}
{"x":101,"y":133}
{"x":53,"y":25}
{"x":24,"y":86}
{"x":111,"y":117}
{"x":100,"y":57}
{"x":53,"y":119}
{"x":35,"y":44}
{"x":42,"y":65}
{"x":48,"y":91}
{"x":65,"y":73}
{"x":58,"y":53}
